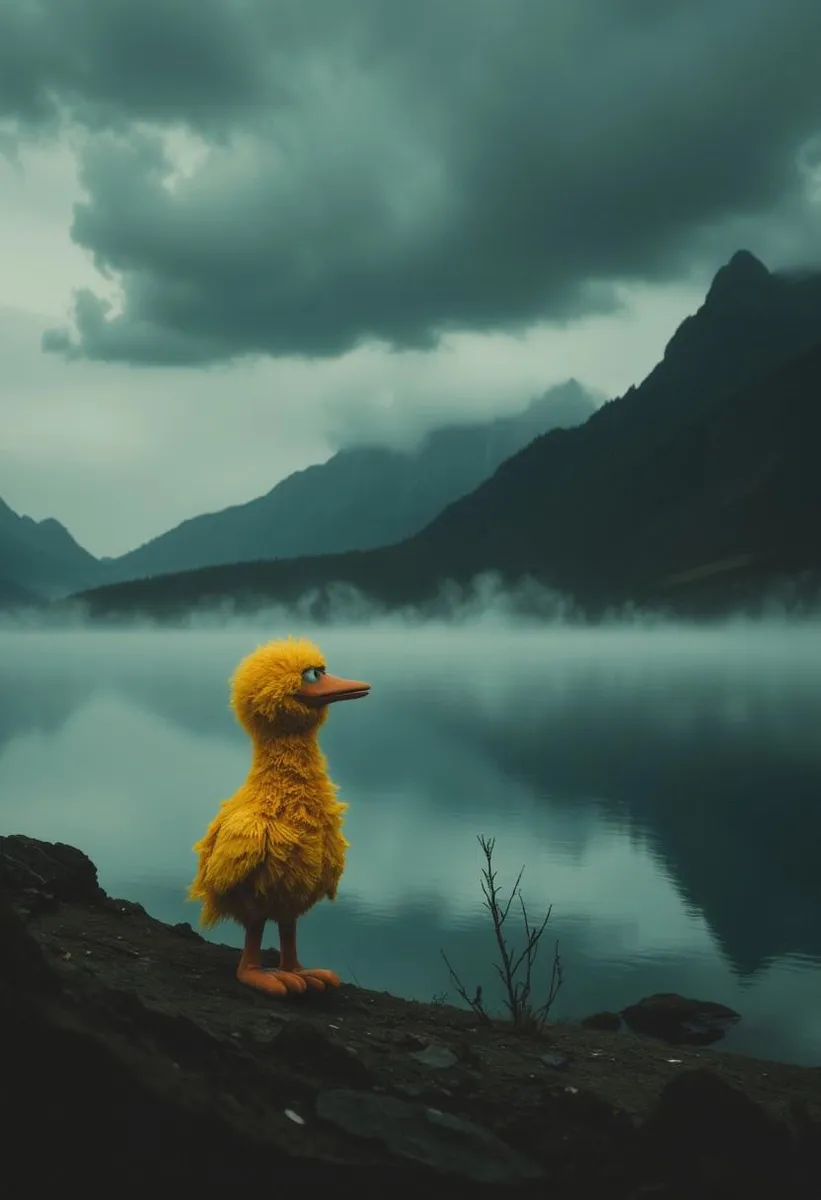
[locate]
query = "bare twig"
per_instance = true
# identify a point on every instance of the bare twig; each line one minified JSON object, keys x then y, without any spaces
{"x":514,"y":969}
{"x":475,"y":1001}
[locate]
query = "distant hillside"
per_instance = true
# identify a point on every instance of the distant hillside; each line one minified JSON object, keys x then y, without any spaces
{"x":42,"y":556}
{"x":12,"y":596}
{"x":699,"y":486}
{"x":726,"y":505}
{"x":361,"y":498}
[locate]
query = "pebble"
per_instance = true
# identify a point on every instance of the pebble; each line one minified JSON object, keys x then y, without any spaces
{"x":437,"y":1057}
{"x":557,"y":1061}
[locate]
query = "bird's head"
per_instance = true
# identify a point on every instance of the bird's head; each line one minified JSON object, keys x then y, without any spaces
{"x":284,"y":688}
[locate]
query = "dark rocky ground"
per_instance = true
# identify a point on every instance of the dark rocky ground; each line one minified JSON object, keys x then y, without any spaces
{"x":132,"y":1059}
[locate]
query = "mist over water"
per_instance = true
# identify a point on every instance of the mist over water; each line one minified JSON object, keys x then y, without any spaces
{"x":662,"y":786}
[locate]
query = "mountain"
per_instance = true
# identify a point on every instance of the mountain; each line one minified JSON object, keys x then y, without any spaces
{"x":361,"y":498}
{"x":41,"y":557}
{"x":700,"y":482}
{"x":13,"y":596}
{"x":711,"y":461}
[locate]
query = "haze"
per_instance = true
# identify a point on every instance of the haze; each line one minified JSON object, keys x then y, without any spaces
{"x":660,"y":787}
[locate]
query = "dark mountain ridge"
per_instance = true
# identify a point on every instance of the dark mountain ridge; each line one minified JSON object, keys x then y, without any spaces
{"x":710,"y":459}
{"x":361,"y":498}
{"x":41,"y":557}
{"x":700,"y":482}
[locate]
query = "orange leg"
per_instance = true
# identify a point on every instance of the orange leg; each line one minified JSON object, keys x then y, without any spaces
{"x":278,"y":982}
{"x":314,"y":977}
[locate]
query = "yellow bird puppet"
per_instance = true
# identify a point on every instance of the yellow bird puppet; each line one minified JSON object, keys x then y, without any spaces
{"x":276,"y":847}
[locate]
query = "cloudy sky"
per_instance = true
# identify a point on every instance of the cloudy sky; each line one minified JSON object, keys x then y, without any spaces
{"x":236,"y":235}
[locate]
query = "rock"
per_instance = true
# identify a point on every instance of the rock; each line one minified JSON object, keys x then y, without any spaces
{"x":702,"y":1110}
{"x":435,"y":1139}
{"x":309,"y":1048}
{"x":184,"y":929}
{"x":557,"y":1061}
{"x":680,"y":1021}
{"x":713,"y":1130}
{"x":437,"y":1057}
{"x":72,"y":1073}
{"x":190,"y":1078}
{"x":602,"y":1020}
{"x":46,"y":872}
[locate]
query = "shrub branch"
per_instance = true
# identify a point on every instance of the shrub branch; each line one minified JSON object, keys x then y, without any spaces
{"x":515,"y":969}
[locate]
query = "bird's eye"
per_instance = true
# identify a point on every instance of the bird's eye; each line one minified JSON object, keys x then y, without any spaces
{"x":312,"y":675}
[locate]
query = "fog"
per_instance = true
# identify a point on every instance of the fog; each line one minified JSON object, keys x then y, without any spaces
{"x":660,"y":783}
{"x":486,"y":602}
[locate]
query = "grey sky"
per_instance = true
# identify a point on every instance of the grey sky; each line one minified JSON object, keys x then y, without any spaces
{"x":328,"y":220}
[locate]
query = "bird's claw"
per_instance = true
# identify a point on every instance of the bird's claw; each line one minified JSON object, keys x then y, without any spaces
{"x":277,"y":982}
{"x":318,"y":978}
{"x":274,"y":982}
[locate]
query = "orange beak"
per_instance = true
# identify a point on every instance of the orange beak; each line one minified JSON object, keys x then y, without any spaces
{"x":329,"y":688}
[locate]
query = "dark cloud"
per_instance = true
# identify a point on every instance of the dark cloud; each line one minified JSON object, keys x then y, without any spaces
{"x":114,"y":61}
{"x":392,"y":170}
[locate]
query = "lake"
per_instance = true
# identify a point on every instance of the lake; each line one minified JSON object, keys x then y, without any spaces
{"x":661,"y":786}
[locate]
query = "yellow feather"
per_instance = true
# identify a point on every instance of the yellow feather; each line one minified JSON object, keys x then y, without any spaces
{"x":276,"y":846}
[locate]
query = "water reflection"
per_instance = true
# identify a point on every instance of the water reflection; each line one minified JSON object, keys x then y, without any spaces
{"x":662,"y":788}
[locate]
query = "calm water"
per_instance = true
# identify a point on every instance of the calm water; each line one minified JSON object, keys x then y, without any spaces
{"x":663,"y":788}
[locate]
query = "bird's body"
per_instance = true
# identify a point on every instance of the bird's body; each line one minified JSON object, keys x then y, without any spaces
{"x":276,"y":846}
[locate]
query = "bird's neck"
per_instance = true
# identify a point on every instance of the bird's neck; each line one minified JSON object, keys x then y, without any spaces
{"x":296,"y":753}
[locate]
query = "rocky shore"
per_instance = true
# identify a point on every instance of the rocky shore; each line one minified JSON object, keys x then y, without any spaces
{"x":131,"y":1058}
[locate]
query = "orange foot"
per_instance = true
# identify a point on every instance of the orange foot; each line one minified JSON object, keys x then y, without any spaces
{"x":277,"y":982}
{"x":317,"y":978}
{"x":272,"y":981}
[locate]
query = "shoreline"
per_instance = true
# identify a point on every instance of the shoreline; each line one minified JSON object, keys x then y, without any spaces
{"x":362,"y":1081}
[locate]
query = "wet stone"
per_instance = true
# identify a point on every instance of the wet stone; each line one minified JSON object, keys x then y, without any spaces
{"x":440,"y":1140}
{"x":680,"y":1021}
{"x":439,"y":1058}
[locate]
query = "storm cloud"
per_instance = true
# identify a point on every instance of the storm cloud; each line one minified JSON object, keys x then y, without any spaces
{"x":270,"y":177}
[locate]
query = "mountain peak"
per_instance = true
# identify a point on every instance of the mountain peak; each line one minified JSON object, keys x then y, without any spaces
{"x":363,"y":497}
{"x":745,"y":260}
{"x":742,"y":272}
{"x":41,"y":556}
